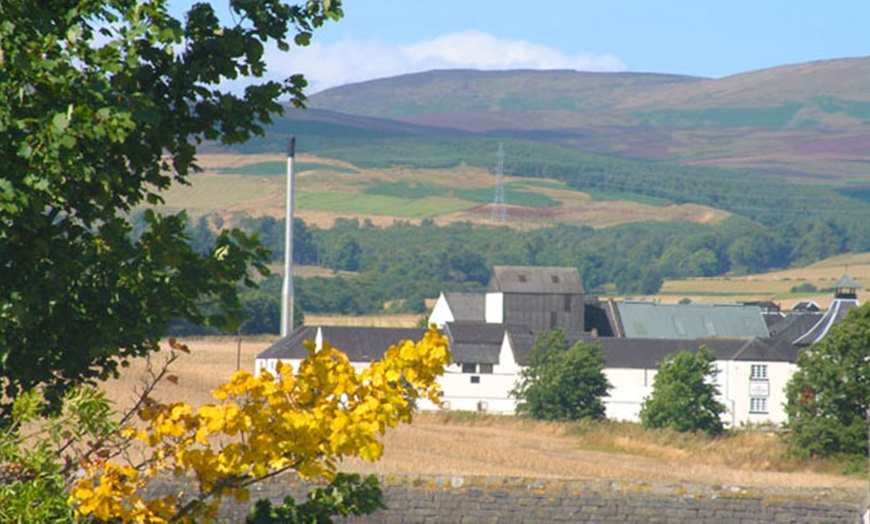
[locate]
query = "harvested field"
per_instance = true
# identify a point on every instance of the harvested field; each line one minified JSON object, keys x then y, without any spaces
{"x":775,"y":285}
{"x":463,"y":444}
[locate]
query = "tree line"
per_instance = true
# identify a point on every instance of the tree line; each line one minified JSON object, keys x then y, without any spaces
{"x":402,"y":264}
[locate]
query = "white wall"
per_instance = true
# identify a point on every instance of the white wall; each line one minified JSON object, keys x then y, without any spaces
{"x":737,"y":389}
{"x":632,"y":386}
{"x":492,"y":390}
{"x":629,"y":388}
{"x":441,"y":313}
{"x":494,"y":308}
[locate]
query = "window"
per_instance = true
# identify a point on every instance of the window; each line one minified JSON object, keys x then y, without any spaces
{"x":485,"y":369}
{"x":710,"y":327}
{"x":468,"y":367}
{"x":554,"y":278}
{"x":475,"y":379}
{"x":554,"y":319}
{"x":521,"y":278}
{"x":757,"y":405}
{"x":680,"y":326}
{"x":758,"y":371}
{"x":567,"y":303}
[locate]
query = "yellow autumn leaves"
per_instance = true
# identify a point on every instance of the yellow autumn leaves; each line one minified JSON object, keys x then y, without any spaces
{"x":304,"y":420}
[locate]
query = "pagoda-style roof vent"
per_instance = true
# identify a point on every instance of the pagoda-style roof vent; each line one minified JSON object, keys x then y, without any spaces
{"x":846,"y":287}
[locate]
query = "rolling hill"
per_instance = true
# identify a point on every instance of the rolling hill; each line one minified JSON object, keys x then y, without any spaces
{"x":807,"y":122}
{"x":784,"y":148}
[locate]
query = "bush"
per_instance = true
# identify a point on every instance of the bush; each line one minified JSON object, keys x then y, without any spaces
{"x":684,"y":395}
{"x":562,"y":383}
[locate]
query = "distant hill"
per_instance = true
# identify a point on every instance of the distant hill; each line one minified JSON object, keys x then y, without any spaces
{"x":808,"y":122}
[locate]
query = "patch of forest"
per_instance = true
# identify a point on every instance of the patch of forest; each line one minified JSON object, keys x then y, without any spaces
{"x":402,"y":265}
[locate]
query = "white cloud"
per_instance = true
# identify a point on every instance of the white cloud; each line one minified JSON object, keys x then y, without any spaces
{"x":351,"y":60}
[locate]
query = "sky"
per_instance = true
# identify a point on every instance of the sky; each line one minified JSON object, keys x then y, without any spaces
{"x":707,"y":38}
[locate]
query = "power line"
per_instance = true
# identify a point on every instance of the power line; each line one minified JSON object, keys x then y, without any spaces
{"x":499,"y":209}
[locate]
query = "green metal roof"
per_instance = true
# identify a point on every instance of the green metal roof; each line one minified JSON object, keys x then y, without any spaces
{"x":691,"y":321}
{"x":846,"y":282}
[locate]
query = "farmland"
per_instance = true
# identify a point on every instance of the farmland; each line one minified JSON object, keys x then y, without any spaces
{"x":508,"y":446}
{"x":233,"y":185}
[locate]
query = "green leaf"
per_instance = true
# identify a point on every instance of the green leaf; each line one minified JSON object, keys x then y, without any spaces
{"x":60,"y":123}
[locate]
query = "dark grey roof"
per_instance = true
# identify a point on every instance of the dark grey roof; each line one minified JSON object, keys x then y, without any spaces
{"x":522,"y":343}
{"x":291,"y":344}
{"x":840,"y":307}
{"x":361,"y":344}
{"x":794,"y":325}
{"x":530,"y":279}
{"x":648,"y":353}
{"x":806,"y":306}
{"x":690,"y":321}
{"x":467,"y":306}
{"x":478,"y":342}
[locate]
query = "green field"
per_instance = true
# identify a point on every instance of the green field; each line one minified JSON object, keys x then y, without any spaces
{"x":366,"y":204}
{"x":513,"y":195}
{"x":211,"y":194}
{"x":402,"y":189}
{"x":604,"y":196}
{"x":280,"y":168}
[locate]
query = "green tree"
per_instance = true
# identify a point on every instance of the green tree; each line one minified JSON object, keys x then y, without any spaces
{"x":104,"y":105}
{"x":828,"y":395}
{"x":684,"y":394}
{"x":347,"y":494}
{"x":562,"y":383}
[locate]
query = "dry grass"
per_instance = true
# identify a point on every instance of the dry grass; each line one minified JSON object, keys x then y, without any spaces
{"x":506,"y":446}
{"x":775,"y":285}
{"x":228,"y":195}
{"x":467,"y":444}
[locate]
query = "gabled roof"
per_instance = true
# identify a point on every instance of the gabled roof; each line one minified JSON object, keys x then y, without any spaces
{"x":291,"y":344}
{"x":530,"y":279}
{"x":840,"y":307}
{"x":466,"y":307}
{"x":522,"y":343}
{"x":361,"y":344}
{"x":479,"y":342}
{"x":690,"y":321}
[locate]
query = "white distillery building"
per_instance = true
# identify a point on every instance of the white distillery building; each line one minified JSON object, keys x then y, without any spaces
{"x":490,"y":335}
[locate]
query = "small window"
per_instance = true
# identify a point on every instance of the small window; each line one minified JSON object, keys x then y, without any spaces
{"x":468,"y":367}
{"x":554,"y":278}
{"x":485,"y":369}
{"x":757,"y":405}
{"x":710,"y":327}
{"x":758,"y":371}
{"x":475,"y":379}
{"x":567,"y":304}
{"x":680,"y":326}
{"x":521,"y":278}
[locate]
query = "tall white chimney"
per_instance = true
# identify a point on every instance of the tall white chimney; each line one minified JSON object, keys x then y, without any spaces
{"x":287,"y":299}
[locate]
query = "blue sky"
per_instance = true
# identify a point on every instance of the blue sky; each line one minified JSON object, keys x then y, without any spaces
{"x":710,"y":38}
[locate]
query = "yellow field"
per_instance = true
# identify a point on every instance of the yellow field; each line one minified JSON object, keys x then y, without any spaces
{"x":507,"y":446}
{"x":774,"y":286}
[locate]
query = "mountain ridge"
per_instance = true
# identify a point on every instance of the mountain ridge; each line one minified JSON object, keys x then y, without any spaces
{"x":806,"y":121}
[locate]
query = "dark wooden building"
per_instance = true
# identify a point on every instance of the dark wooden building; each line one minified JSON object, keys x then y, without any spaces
{"x":541,"y":298}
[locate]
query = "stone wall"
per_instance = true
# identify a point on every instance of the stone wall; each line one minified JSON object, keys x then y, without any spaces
{"x":431,"y":499}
